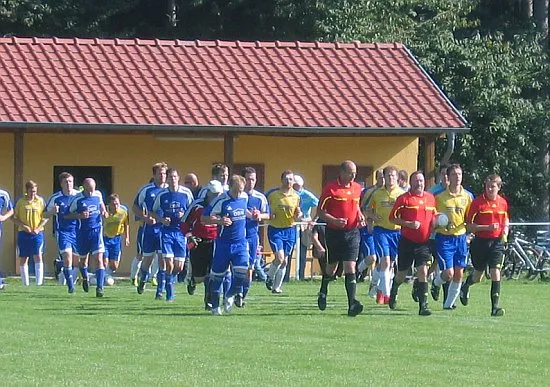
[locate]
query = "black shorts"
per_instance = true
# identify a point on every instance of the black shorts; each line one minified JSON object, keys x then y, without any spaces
{"x":411,"y":252}
{"x":342,"y":245}
{"x":486,"y":252}
{"x":201,"y":258}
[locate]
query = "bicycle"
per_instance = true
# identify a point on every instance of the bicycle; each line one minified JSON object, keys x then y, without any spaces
{"x":525,"y":259}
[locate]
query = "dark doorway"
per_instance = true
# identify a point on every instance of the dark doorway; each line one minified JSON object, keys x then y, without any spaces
{"x":103,"y":177}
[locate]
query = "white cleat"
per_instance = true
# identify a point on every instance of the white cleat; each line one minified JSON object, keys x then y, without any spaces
{"x":228,"y":304}
{"x":216,"y":311}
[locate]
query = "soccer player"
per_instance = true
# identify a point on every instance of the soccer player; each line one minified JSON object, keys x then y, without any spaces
{"x":386,"y":234}
{"x":89,"y":208}
{"x":191,"y":181}
{"x":488,"y":219}
{"x":6,"y":211}
{"x":30,"y":218}
{"x":220,"y":172}
{"x":339,"y":207}
{"x":415,"y":212}
{"x":229,"y":212}
{"x":257,"y":210}
{"x":168,"y":209}
{"x":450,"y":240}
{"x":143,"y":205}
{"x":201,"y":238}
{"x":65,"y":229}
{"x":284,"y":204}
{"x":115,"y":226}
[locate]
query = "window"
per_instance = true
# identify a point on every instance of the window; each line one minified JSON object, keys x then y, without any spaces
{"x":364,"y":174}
{"x":103,"y":177}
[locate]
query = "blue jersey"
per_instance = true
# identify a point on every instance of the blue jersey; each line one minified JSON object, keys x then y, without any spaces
{"x":92,"y":204}
{"x":63,"y":202}
{"x":145,"y":199}
{"x":171,"y":203}
{"x":5,"y":204}
{"x":256,"y":201}
{"x":235,"y":209}
{"x":204,"y":191}
{"x":307,"y":201}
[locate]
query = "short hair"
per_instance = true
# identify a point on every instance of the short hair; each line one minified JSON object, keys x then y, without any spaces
{"x":444,"y":167}
{"x":159,"y":166}
{"x":30,"y":184}
{"x":419,"y":172}
{"x":236,"y":179}
{"x":218,"y":168}
{"x":494,"y":178}
{"x":64,"y":175}
{"x":452,"y":167}
{"x":345,"y":164}
{"x":286,"y":172}
{"x":246,"y":170}
{"x":113,"y":196}
{"x":403,"y":175}
{"x":169,"y":171}
{"x":390,"y":168}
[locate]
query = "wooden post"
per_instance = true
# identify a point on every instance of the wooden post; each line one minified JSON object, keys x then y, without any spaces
{"x":18,"y":164}
{"x":429,"y":160}
{"x":228,"y":150}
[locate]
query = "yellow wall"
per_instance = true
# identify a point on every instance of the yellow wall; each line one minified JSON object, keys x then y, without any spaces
{"x":131,"y":157}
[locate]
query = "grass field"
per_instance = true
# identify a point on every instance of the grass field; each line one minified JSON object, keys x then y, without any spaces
{"x":48,"y":337}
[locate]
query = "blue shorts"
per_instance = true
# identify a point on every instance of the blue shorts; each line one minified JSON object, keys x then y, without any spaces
{"x":227,"y":252}
{"x":253,"y":242}
{"x":139,"y":241}
{"x":150,"y":242}
{"x":367,"y":243}
{"x":173,"y":244}
{"x":90,"y":242}
{"x":386,"y":242}
{"x":66,"y":241}
{"x":282,"y":239}
{"x":112,"y":248}
{"x":30,"y":244}
{"x":452,"y":251}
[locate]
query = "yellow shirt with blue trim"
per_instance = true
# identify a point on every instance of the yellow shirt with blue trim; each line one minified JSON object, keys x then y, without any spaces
{"x":382,"y":202}
{"x":115,"y":223}
{"x":283,"y":207}
{"x":455,"y":206}
{"x":30,"y":212}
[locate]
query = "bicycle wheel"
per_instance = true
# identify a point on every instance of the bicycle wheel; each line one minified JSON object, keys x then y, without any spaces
{"x":544,"y":268}
{"x":531,"y":271}
{"x":512,"y":265}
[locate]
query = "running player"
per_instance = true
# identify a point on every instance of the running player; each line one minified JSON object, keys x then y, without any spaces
{"x":116,"y":226}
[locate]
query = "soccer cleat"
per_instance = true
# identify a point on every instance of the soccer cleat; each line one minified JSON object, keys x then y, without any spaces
{"x":208,"y":307}
{"x":269,"y":283}
{"x":158,"y":296}
{"x":386,"y":300}
{"x":99,"y":292}
{"x":239,"y":301}
{"x":464,"y":294}
{"x":277,"y":291}
{"x":228,"y":304}
{"x":71,"y":290}
{"x":434,"y":290}
{"x":414,"y":291}
{"x":191,"y":288}
{"x":135,"y":282}
{"x":379,"y":298}
{"x":424,"y":311}
{"x":154,"y":281}
{"x":355,"y":308}
{"x":498,"y":312}
{"x":372,"y":290}
{"x":392,"y":302}
{"x":2,"y":286}
{"x":85,"y":285}
{"x":453,"y":307}
{"x":322,"y":301}
{"x":141,"y":287}
{"x":216,"y":311}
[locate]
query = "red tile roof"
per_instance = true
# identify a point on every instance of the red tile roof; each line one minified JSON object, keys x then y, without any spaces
{"x":214,"y":84}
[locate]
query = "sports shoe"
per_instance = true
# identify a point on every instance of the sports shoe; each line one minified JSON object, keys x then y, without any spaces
{"x":2,"y":286}
{"x":414,"y":291}
{"x":424,"y":311}
{"x":154,"y":281}
{"x":239,"y":301}
{"x":208,"y":306}
{"x":355,"y":308}
{"x":191,"y":288}
{"x":464,"y":294}
{"x":269,"y":283}
{"x":158,"y":296}
{"x":379,"y":298}
{"x":70,"y":290}
{"x":453,"y":307}
{"x":434,"y":290}
{"x":498,"y":312}
{"x":228,"y":304}
{"x":85,"y":285}
{"x":141,"y":287}
{"x":99,"y":292}
{"x":277,"y":291}
{"x":135,"y":282}
{"x":392,"y":302}
{"x":386,"y":300}
{"x":322,"y":301}
{"x":217,"y":311}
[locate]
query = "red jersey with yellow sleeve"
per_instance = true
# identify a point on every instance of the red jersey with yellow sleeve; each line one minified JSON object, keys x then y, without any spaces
{"x":484,"y":211}
{"x":342,"y":201}
{"x":413,"y":207}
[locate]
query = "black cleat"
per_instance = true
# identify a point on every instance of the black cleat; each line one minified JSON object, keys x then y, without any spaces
{"x":322,"y":301}
{"x":269,"y":283}
{"x":414,"y":291}
{"x":141,"y":287}
{"x":85,"y":285}
{"x":239,"y":301}
{"x":208,"y":307}
{"x":498,"y":312}
{"x":355,"y":308}
{"x":191,"y":288}
{"x":393,"y":301}
{"x":434,"y":290}
{"x":464,"y":294}
{"x":424,"y":311}
{"x":99,"y":292}
{"x":453,"y":307}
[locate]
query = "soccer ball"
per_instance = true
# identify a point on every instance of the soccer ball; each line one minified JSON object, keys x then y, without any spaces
{"x":442,"y":220}
{"x":109,"y":281}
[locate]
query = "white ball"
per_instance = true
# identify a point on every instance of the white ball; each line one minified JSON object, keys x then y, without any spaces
{"x":442,"y":220}
{"x":110,"y":281}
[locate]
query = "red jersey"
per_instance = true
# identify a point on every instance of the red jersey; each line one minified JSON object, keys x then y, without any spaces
{"x":192,"y":223}
{"x":484,"y":211}
{"x":412,"y":207}
{"x":342,"y":201}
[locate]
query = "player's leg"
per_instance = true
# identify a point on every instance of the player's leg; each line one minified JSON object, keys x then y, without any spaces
{"x":220,"y":263}
{"x":239,"y":259}
{"x":136,"y":261}
{"x":98,"y":249}
{"x":479,"y":252}
{"x":23,"y":246}
{"x":274,"y":236}
{"x":423,"y":260}
{"x":37,"y":243}
{"x":496,"y":258}
{"x":406,"y":257}
{"x":65,"y":244}
{"x":252,"y":244}
{"x":459,"y":263}
{"x":289,"y":241}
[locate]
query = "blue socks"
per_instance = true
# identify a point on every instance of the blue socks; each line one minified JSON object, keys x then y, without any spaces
{"x":68,"y":273}
{"x":100,"y":278}
{"x":246,"y":286}
{"x":226,"y":282}
{"x":216,"y":288}
{"x":238,"y":280}
{"x":84,"y":272}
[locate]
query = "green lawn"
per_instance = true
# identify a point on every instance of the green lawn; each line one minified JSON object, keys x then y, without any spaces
{"x":48,"y":337}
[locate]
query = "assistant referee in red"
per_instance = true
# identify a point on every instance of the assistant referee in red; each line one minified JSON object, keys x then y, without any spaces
{"x":339,"y":208}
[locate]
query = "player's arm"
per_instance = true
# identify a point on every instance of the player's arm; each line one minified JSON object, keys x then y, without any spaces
{"x":213,"y":215}
{"x":157,"y":213}
{"x":127,"y":230}
{"x":6,"y":215}
{"x":395,"y":216}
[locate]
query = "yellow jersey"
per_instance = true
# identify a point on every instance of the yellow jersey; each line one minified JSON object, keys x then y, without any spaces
{"x":455,"y":206}
{"x":116,"y":223}
{"x":382,"y":202}
{"x":283,"y":207}
{"x":30,"y":212}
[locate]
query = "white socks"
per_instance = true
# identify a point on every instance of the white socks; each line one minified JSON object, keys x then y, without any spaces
{"x":362,"y":266}
{"x":438,"y":281}
{"x":24,"y":269}
{"x":452,"y":295}
{"x":155,"y":266}
{"x":384,"y":282}
{"x":39,"y":272}
{"x":273,"y":268}
{"x":279,"y":277}
{"x":134,"y":268}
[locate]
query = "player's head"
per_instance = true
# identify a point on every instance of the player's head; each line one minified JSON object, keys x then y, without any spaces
{"x":89,"y":185}
{"x":417,"y":182}
{"x":390,"y":176}
{"x":220,"y":172}
{"x":402,"y":178}
{"x":347,"y":171}
{"x":379,"y":175}
{"x":287,"y":179}
{"x":249,"y":174}
{"x":213,"y":189}
{"x":454,"y":174}
{"x":172,"y":177}
{"x":31,"y":188}
{"x":443,"y":178}
{"x":159,"y":172}
{"x":298,"y":182}
{"x":493,"y":184}
{"x":66,"y":181}
{"x":236,"y":184}
{"x":191,"y":181}
{"x":114,"y":202}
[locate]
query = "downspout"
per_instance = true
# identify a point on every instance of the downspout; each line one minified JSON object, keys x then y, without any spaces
{"x":451,"y":139}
